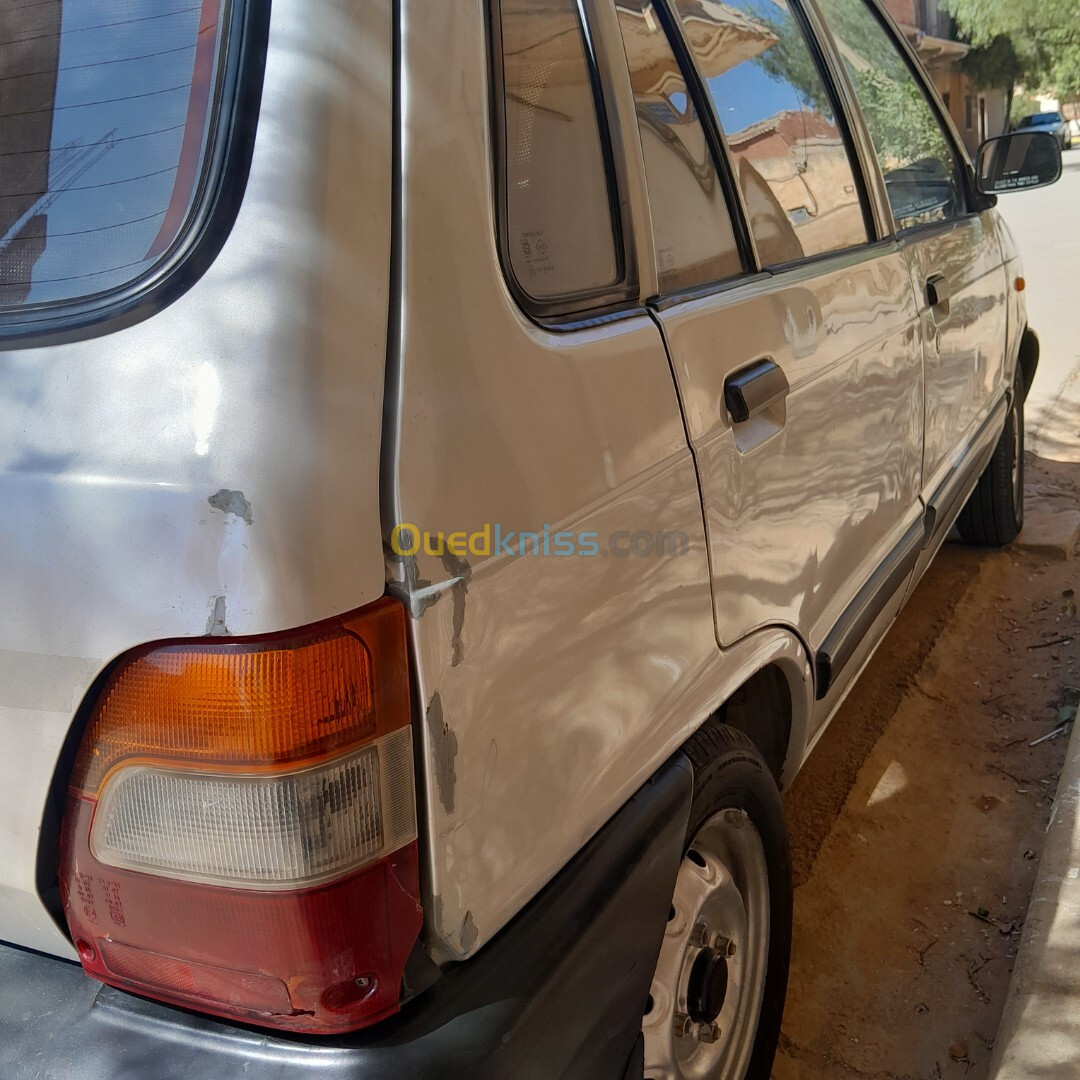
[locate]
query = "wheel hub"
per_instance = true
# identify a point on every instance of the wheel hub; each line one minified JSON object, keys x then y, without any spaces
{"x":708,"y":986}
{"x":710,"y":976}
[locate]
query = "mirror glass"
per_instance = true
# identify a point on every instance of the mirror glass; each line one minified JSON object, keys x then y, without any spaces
{"x":1018,"y":162}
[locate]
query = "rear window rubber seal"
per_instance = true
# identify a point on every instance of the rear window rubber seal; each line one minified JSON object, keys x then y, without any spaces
{"x":206,"y":232}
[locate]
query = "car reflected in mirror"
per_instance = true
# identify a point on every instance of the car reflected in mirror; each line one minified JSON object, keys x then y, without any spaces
{"x":1018,"y":162}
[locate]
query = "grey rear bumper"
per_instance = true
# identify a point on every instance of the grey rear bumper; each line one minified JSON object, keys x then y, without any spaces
{"x":558,"y":994}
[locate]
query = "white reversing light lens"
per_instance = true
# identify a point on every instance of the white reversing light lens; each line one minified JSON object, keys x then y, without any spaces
{"x":269,"y":831}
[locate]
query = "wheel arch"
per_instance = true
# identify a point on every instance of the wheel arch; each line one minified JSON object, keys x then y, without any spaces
{"x":768,"y":695}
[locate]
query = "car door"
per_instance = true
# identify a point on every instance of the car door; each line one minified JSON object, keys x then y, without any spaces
{"x":952,"y":249}
{"x":792,"y":331}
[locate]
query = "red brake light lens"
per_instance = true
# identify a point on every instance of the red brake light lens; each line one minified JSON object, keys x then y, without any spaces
{"x":240,"y":835}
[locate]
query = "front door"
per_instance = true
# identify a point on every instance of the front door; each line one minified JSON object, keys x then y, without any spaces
{"x":953,"y":252}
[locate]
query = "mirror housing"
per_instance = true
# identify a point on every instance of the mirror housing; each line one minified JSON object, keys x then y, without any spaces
{"x":1018,"y":162}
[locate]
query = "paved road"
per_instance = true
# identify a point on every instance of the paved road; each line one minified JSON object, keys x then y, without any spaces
{"x":1046,"y":224}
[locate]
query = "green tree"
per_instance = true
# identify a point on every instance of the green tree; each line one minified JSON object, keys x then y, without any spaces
{"x":1045,"y":36}
{"x":901,"y":125}
{"x":998,"y":65}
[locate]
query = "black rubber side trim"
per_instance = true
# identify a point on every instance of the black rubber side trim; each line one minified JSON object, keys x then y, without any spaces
{"x":947,"y":500}
{"x":854,"y":624}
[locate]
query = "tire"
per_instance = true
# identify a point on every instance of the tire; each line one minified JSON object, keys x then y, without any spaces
{"x":994,"y":514}
{"x":736,"y":827}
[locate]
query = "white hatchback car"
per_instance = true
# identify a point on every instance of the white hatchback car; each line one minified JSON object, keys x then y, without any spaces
{"x":454,"y":460}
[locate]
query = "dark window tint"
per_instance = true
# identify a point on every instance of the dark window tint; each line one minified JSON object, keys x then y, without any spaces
{"x":797,"y":179}
{"x":1041,"y":120}
{"x":692,"y":229}
{"x":916,"y":156}
{"x":105,"y":110}
{"x":559,"y":223}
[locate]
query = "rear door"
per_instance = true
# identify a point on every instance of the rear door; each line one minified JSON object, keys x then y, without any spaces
{"x":792,"y":329}
{"x":952,"y":250}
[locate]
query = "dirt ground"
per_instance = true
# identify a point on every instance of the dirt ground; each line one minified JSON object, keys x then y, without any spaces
{"x":917,"y":824}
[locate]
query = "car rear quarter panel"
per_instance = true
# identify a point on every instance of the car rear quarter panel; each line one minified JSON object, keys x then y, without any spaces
{"x":212,"y":469}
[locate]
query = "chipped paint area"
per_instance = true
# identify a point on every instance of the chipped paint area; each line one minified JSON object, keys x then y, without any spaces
{"x":444,"y":748}
{"x":232,"y":502}
{"x":469,"y":933}
{"x":216,"y":626}
{"x":460,"y":573}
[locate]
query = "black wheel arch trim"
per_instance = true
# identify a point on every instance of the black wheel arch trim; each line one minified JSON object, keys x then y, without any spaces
{"x":1028,"y":358}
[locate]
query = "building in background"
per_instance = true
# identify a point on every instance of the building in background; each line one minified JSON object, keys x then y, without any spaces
{"x":31,"y":52}
{"x":979,"y":114}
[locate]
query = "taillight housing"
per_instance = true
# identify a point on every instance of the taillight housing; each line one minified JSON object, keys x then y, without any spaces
{"x":240,"y":831}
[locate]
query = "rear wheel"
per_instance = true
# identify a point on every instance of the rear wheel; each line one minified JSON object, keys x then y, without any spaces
{"x":718,"y":993}
{"x":994,"y":514}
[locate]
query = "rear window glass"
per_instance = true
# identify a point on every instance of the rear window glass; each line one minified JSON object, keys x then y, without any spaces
{"x":105,"y":113}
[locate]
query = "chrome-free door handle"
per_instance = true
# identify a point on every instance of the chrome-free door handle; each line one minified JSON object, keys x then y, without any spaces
{"x":753,"y":389}
{"x":938,"y":290}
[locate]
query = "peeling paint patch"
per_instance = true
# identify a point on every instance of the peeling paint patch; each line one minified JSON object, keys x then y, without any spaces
{"x":444,"y":747}
{"x":469,"y":933}
{"x":461,"y":571}
{"x":232,"y":502}
{"x":215,"y":624}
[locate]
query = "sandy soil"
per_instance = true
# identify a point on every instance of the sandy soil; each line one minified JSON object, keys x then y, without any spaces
{"x":925,"y":803}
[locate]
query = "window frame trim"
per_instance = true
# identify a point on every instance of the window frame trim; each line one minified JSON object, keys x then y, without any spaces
{"x":916,"y":70}
{"x":570,"y":309}
{"x":219,"y":193}
{"x":715,"y":138}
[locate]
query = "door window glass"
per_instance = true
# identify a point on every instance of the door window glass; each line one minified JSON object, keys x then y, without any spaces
{"x":560,"y":231}
{"x":695,"y":242}
{"x":915,"y":153}
{"x":787,"y":148}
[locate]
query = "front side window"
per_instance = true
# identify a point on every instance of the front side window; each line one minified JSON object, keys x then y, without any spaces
{"x":916,"y":156}
{"x":692,"y":230}
{"x":106,"y":114}
{"x":791,"y":158}
{"x":560,"y":232}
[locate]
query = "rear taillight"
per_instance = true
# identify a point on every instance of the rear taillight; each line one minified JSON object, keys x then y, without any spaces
{"x":240,"y":833}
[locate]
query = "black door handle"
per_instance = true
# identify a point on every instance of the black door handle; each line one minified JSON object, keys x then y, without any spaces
{"x":938,"y":290}
{"x":752,"y":389}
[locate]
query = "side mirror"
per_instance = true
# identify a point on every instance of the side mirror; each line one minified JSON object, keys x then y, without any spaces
{"x":1018,"y":162}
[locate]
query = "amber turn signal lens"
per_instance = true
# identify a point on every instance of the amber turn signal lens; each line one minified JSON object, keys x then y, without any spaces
{"x":1021,"y":284}
{"x":247,"y":705}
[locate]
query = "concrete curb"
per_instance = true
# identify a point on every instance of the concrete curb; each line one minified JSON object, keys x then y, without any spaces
{"x":1039,"y":1034}
{"x":1053,"y":533}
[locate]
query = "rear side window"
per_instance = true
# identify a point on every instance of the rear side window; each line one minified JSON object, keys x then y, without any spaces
{"x":695,"y":242}
{"x":916,"y":156}
{"x":106,"y":110}
{"x":560,"y":229}
{"x":789,"y":153}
